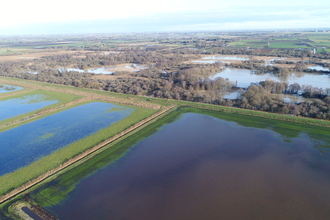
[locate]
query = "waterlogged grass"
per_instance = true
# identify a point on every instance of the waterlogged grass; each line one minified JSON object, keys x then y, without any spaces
{"x":130,"y":98}
{"x":114,"y":109}
{"x":8,"y":88}
{"x":19,"y":177}
{"x":44,"y":136}
{"x":48,"y":135}
{"x":26,"y":104}
{"x":17,"y":106}
{"x":57,"y":190}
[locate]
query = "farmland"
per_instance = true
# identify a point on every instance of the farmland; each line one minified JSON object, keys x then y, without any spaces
{"x":73,"y":122}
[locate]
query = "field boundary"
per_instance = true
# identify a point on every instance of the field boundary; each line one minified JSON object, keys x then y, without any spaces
{"x":90,"y":94}
{"x":79,"y":157}
{"x":16,"y":93}
{"x":46,"y":111}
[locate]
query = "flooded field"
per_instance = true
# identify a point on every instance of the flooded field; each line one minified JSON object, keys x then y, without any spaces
{"x":226,"y":58}
{"x":20,"y":146}
{"x":195,"y":167}
{"x":235,"y":58}
{"x":8,"y":88}
{"x":243,"y":78}
{"x":17,"y":106}
{"x":318,"y":67}
{"x":109,"y":69}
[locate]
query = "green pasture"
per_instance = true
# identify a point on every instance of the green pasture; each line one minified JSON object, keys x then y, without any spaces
{"x":250,"y":43}
{"x":286,"y":45}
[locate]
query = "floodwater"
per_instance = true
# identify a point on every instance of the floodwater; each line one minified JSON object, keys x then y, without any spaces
{"x":136,"y":67}
{"x":20,"y":146}
{"x":204,"y":61}
{"x":198,"y":168}
{"x":106,"y":70}
{"x":14,"y":107}
{"x":8,"y":88}
{"x":103,"y":70}
{"x":289,"y":98}
{"x":318,"y":67}
{"x":231,"y":95}
{"x":226,"y":58}
{"x":244,"y":78}
{"x":31,"y":214}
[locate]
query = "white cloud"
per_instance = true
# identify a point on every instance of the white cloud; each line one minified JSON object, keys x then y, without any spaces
{"x":278,"y":24}
{"x":166,"y":14}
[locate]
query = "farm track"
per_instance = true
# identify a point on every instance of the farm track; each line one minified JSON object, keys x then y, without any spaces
{"x":79,"y":157}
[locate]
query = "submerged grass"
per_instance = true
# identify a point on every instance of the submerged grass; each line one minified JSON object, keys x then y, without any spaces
{"x":62,"y":98}
{"x":56,"y":191}
{"x":13,"y":180}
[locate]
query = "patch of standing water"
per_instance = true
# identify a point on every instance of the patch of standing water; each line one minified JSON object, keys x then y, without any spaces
{"x":231,"y":95}
{"x":204,"y":61}
{"x":225,"y":58}
{"x":102,"y":70}
{"x":244,"y":78}
{"x":319,"y":68}
{"x":13,"y":107}
{"x":111,"y":53}
{"x":136,"y":67}
{"x":294,"y":98}
{"x":46,"y":135}
{"x":8,"y":88}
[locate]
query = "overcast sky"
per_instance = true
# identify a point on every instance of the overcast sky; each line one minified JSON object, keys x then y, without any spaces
{"x":100,"y":16}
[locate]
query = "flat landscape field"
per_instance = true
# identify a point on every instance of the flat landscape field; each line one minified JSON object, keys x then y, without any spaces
{"x":54,"y":125}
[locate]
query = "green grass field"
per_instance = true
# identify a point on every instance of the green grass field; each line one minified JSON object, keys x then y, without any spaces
{"x":286,"y":40}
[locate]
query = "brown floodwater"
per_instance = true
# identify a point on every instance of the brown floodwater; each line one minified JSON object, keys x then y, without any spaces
{"x":201,"y":167}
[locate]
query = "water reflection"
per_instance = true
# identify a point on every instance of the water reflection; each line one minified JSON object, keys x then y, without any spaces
{"x":318,"y":67}
{"x":8,"y":88}
{"x":107,"y":70}
{"x":244,"y":78}
{"x":197,"y":168}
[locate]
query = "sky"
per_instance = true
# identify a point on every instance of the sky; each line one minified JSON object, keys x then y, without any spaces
{"x":101,"y":16}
